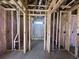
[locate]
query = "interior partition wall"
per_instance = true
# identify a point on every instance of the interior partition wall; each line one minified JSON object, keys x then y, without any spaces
{"x":74,"y":32}
{"x":14,"y":30}
{"x":55,"y":31}
{"x":64,"y":24}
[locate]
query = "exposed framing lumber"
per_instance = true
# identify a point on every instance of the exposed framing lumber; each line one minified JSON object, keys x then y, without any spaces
{"x":74,"y":8}
{"x":12,"y":9}
{"x":67,"y":6}
{"x":52,"y":4}
{"x":70,"y":3}
{"x":7,"y":9}
{"x":7,"y":2}
{"x":48,"y":31}
{"x":12,"y":35}
{"x":57,"y":5}
{"x":18,"y":6}
{"x":60,"y":19}
{"x":69,"y":30}
{"x":15,"y":40}
{"x":18,"y":29}
{"x":24,"y":32}
{"x":23,"y":10}
{"x":30,"y":24}
{"x":19,"y":2}
{"x":18,"y":26}
{"x":64,"y":6}
{"x":29,"y":33}
{"x":37,"y":15}
{"x":37,"y":10}
{"x":63,"y":12}
{"x":57,"y":28}
{"x":45,"y":33}
{"x":78,"y":16}
{"x":53,"y":29}
{"x":37,"y":5}
{"x":4,"y":26}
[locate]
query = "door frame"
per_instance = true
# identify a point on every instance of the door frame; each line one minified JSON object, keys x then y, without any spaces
{"x":30,"y":31}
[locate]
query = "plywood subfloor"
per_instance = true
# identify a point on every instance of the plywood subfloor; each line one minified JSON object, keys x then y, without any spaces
{"x":37,"y":53}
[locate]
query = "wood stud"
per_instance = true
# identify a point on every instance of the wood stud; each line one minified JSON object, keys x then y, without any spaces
{"x":48,"y":31}
{"x":29,"y":33}
{"x":24,"y":33}
{"x":53,"y":29}
{"x":12,"y":18}
{"x":45,"y":33}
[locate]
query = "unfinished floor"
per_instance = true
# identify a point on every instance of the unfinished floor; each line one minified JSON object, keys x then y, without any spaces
{"x":37,"y":52}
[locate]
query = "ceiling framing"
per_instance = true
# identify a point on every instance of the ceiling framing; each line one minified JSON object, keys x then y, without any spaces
{"x":34,"y":4}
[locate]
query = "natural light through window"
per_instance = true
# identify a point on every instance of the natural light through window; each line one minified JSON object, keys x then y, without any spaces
{"x":38,"y":22}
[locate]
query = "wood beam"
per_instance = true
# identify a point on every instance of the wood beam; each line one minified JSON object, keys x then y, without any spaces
{"x":52,"y":4}
{"x":24,"y":33}
{"x":48,"y":31}
{"x":37,"y":14}
{"x":74,"y":8}
{"x":53,"y":29}
{"x":29,"y":33}
{"x":60,"y":19}
{"x":37,"y":5}
{"x":57,"y":5}
{"x":12,"y":9}
{"x":67,"y":6}
{"x":64,"y":6}
{"x":20,"y":3}
{"x":17,"y":5}
{"x":7,"y":2}
{"x":69,"y":30}
{"x":57,"y":28}
{"x":18,"y":26}
{"x":45,"y":33}
{"x":37,"y":10}
{"x":12,"y":35}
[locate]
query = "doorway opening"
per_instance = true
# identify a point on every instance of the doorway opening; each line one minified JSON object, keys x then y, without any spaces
{"x":37,"y":27}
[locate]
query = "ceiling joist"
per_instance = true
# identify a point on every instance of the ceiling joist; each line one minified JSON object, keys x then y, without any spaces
{"x":74,"y":7}
{"x":18,"y":4}
{"x":52,"y":4}
{"x":36,"y":5}
{"x":68,"y":5}
{"x":13,"y":9}
{"x":37,"y":10}
{"x":37,"y":14}
{"x":57,"y":5}
{"x":64,"y":6}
